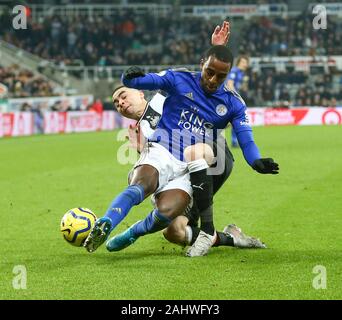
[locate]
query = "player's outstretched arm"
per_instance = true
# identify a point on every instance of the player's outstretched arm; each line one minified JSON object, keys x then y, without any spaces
{"x":135,"y":77}
{"x":245,"y":138}
{"x":221,"y":34}
{"x":252,"y":155}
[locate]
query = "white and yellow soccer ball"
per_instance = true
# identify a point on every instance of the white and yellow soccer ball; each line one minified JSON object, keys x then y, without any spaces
{"x":76,"y":225}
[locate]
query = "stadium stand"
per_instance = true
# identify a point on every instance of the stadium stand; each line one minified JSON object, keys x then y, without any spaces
{"x":23,"y":83}
{"x":128,"y":37}
{"x":123,"y":39}
{"x":292,"y":88}
{"x":291,"y":36}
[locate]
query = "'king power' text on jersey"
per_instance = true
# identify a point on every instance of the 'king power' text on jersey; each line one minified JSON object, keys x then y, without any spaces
{"x":190,"y":115}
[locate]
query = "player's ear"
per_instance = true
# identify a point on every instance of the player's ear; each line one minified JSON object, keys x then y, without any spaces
{"x":142,"y":95}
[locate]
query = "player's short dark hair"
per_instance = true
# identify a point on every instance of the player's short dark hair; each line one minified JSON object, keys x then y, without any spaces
{"x":221,"y":53}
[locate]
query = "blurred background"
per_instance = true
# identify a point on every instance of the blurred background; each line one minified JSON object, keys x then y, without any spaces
{"x":75,"y":51}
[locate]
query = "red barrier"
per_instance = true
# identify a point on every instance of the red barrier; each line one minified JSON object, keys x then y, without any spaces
{"x":26,"y":123}
{"x":14,"y":124}
{"x":295,"y":116}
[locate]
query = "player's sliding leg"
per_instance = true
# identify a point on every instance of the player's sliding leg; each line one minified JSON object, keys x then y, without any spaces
{"x":118,"y":209}
{"x":231,"y":236}
{"x":169,"y":204}
{"x":181,"y":233}
{"x":143,"y":183}
{"x":241,"y":240}
{"x":152,"y":223}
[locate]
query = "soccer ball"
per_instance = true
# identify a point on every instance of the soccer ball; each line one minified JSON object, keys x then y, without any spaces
{"x":76,"y":225}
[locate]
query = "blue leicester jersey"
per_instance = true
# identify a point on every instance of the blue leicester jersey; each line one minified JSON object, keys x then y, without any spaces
{"x":236,"y":75}
{"x":190,"y":115}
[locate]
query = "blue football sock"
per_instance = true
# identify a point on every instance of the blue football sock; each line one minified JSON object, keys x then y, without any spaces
{"x":124,"y":202}
{"x":154,"y":222}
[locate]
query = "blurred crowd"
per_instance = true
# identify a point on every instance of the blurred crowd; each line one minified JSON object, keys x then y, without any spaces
{"x":23,"y":83}
{"x":129,"y":38}
{"x":292,"y":36}
{"x":121,"y":40}
{"x":269,"y":87}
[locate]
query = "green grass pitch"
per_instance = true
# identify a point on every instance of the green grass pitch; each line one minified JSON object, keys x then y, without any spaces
{"x":297,"y":214}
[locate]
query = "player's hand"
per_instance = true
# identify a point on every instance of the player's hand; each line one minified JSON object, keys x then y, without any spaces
{"x":135,"y":137}
{"x":133,"y":72}
{"x":266,"y":166}
{"x":221,"y":34}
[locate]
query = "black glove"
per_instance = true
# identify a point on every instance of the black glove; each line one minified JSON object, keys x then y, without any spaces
{"x":266,"y":166}
{"x":133,"y":72}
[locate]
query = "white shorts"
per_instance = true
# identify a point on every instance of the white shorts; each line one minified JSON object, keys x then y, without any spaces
{"x":173,"y":173}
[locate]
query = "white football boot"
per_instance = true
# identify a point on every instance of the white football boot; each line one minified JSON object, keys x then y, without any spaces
{"x":241,"y":240}
{"x":202,"y":245}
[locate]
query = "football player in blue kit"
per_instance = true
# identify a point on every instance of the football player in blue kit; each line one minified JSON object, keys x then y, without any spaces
{"x":234,"y":81}
{"x":172,"y":199}
{"x":133,"y":106}
{"x":197,"y":108}
{"x":209,"y":108}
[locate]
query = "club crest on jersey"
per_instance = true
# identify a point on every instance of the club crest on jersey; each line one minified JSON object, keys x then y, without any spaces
{"x":221,"y":110}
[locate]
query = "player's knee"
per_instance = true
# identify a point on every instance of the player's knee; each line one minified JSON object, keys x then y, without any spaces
{"x":146,"y":176}
{"x":166,"y":209}
{"x":175,"y":232}
{"x":172,"y":203}
{"x":174,"y":235}
{"x":199,"y":151}
{"x":172,"y":210}
{"x":167,"y":234}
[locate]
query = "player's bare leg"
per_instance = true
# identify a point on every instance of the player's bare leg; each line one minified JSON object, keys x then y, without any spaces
{"x":179,"y":232}
{"x":169,"y":204}
{"x":176,"y":231}
{"x":144,"y":182}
